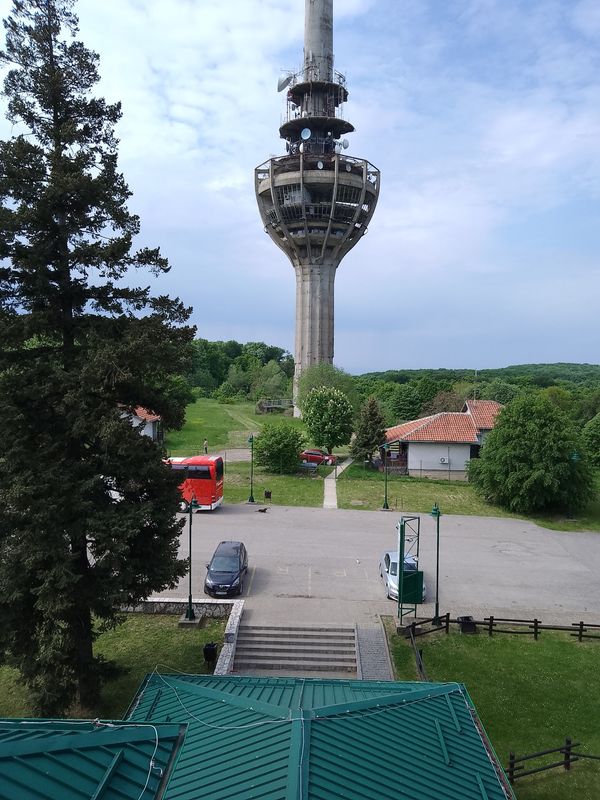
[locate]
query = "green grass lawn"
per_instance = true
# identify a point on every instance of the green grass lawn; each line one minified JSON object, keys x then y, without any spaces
{"x":224,"y":425}
{"x":144,"y":642}
{"x":364,"y":489}
{"x":530,"y":695}
{"x":286,"y":490}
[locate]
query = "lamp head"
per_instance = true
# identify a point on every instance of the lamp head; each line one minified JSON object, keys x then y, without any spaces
{"x":435,"y":511}
{"x":194,"y":504}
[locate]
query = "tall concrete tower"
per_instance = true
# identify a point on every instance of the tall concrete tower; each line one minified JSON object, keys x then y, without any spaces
{"x":315,"y":202}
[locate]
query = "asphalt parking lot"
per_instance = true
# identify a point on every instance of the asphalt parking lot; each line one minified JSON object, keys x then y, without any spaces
{"x":311,"y":565}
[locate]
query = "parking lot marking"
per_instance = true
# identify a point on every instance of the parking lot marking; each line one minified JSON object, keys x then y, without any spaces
{"x":340,"y":573}
{"x":249,"y":589}
{"x":309,"y":581}
{"x":283,"y":570}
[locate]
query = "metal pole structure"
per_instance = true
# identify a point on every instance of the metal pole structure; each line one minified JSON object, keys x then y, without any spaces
{"x":251,"y":443}
{"x":401,"y":542}
{"x":436,"y":513}
{"x":189,"y":614}
{"x":385,"y":479}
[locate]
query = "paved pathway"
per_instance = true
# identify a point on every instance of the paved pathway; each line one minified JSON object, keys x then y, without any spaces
{"x":330,"y":490}
{"x":372,"y":656}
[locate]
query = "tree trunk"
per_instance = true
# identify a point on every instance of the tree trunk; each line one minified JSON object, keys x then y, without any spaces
{"x":88,"y":677}
{"x":86,"y":668}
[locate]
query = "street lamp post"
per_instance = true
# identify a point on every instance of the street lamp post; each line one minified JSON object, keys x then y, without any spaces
{"x":189,"y":614}
{"x":436,"y":514}
{"x":251,"y":443}
{"x":385,"y":477}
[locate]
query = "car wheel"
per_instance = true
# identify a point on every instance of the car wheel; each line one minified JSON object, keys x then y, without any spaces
{"x":184,"y":506}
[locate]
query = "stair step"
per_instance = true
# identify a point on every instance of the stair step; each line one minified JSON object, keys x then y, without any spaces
{"x":312,"y":657}
{"x":306,"y":628}
{"x":293,"y":666}
{"x":296,"y":633}
{"x":293,"y":641}
{"x":324,"y":655}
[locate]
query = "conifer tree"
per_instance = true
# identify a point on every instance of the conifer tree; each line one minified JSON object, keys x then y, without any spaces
{"x":370,"y":431}
{"x":87,"y":508}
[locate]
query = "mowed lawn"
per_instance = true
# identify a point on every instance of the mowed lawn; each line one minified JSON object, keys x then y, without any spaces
{"x":143,"y":643}
{"x":224,"y":425}
{"x":361,"y":488}
{"x":529,"y":694}
{"x":286,"y":490}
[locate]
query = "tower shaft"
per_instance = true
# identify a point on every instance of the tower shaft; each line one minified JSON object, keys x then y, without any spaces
{"x":314,"y":315}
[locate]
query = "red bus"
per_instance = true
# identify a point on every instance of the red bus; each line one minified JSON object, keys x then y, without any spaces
{"x":202,"y":480}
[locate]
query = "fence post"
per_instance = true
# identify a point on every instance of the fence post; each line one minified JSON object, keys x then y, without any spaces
{"x":511,"y":767}
{"x":535,"y":628}
{"x":580,"y":636}
{"x":567,"y":759}
{"x":490,"y":626}
{"x":448,"y":623}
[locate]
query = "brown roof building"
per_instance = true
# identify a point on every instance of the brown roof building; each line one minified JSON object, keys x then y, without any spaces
{"x":440,"y":445}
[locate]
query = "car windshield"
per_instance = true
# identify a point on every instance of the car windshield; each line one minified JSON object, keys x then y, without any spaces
{"x":410,"y":565}
{"x":224,"y":564}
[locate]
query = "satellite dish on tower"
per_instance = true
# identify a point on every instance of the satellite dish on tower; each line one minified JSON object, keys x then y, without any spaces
{"x":345,"y":144}
{"x":305,"y":134}
{"x":284,"y":81}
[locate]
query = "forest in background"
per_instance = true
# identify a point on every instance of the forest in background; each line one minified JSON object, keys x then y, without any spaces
{"x":231,"y":371}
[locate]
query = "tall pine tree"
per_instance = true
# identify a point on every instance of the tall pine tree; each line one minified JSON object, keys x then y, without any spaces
{"x":370,"y":431}
{"x":87,"y":509}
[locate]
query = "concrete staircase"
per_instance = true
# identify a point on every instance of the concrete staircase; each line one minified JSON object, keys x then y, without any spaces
{"x":295,"y":650}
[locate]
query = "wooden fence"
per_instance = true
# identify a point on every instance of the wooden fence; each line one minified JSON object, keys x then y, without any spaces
{"x":494,"y":625}
{"x":516,"y":769}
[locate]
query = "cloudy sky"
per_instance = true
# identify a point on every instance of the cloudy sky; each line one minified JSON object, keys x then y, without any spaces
{"x":482,"y":115}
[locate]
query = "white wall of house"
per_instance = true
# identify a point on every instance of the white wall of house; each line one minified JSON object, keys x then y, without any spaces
{"x":145,"y":428}
{"x":425,"y":458}
{"x":148,"y":429}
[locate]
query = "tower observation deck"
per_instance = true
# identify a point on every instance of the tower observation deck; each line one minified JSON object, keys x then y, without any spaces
{"x":315,"y":202}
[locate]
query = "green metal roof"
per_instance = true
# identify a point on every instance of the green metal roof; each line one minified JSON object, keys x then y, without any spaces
{"x":85,"y":760}
{"x":297,"y":739}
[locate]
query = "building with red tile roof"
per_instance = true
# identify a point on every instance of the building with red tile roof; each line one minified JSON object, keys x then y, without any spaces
{"x":440,"y":445}
{"x":147,"y":422}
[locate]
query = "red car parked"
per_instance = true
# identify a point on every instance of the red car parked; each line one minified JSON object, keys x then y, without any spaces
{"x":318,"y":457}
